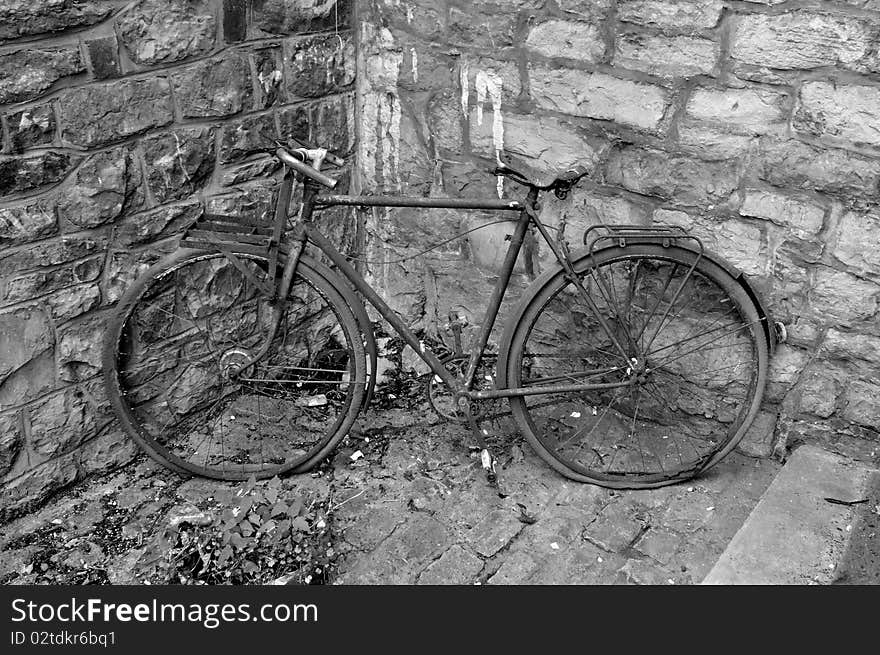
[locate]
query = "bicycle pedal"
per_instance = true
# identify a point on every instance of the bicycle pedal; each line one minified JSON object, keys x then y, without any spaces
{"x":488,"y":463}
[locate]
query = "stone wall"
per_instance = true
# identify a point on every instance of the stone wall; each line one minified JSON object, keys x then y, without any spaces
{"x":122,"y":122}
{"x":754,"y":124}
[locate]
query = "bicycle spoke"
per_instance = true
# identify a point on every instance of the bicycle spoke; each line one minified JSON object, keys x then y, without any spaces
{"x":696,"y":336}
{"x":704,"y":347}
{"x":656,"y":306}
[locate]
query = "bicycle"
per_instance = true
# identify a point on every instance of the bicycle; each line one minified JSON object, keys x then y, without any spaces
{"x":635,"y":362}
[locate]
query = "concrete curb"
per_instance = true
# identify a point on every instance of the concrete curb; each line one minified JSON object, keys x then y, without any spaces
{"x":794,"y":535}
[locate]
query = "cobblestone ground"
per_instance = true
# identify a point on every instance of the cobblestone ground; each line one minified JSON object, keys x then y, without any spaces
{"x":409,"y":504}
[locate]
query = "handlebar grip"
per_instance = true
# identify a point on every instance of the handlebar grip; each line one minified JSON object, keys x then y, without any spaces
{"x":305,"y":169}
{"x":330,"y":157}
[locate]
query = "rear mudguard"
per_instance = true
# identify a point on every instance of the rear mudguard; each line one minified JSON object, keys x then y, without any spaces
{"x":360,"y":314}
{"x":773,"y":332}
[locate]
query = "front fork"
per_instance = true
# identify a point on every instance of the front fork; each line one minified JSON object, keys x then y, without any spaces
{"x":281,"y":290}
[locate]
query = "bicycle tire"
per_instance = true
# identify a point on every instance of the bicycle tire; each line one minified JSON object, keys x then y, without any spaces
{"x":669,"y":405}
{"x":175,"y":400}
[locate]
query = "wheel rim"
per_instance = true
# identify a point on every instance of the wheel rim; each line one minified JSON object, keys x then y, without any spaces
{"x":188,"y":388}
{"x":687,"y":386}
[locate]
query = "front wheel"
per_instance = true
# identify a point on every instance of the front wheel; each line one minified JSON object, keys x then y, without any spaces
{"x":181,"y":375}
{"x":677,"y":399}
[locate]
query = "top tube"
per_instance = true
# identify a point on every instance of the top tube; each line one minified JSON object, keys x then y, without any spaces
{"x":405,"y":201}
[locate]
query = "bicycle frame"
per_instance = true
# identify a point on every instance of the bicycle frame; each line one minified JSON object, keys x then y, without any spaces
{"x":305,"y":231}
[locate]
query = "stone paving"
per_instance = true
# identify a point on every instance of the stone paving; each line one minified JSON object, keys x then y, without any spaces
{"x":419,"y":511}
{"x":414,"y":507}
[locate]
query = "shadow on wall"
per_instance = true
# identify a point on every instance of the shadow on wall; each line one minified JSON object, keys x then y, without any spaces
{"x":756,"y":127}
{"x":122,"y":122}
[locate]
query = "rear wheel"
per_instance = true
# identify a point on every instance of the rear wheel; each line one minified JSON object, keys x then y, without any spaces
{"x":690,"y":383}
{"x":179,"y":369}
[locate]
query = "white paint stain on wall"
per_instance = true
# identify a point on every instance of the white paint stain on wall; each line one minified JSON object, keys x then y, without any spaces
{"x":379,"y":142}
{"x":415,"y":64}
{"x":465,"y":86}
{"x":489,"y":85}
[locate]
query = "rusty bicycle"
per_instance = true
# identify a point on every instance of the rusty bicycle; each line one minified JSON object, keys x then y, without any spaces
{"x":636,"y":361}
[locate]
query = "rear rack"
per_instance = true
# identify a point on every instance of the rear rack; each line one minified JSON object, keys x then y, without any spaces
{"x":662,"y":234}
{"x":217,"y":232}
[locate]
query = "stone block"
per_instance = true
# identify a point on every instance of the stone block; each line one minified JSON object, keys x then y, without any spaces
{"x":301,"y":16}
{"x":28,"y":172}
{"x":424,"y":69}
{"x":494,"y":532}
{"x":799,"y":40}
{"x":103,"y":56}
{"x":25,"y":74}
{"x":50,"y":253}
{"x":456,"y":566}
{"x":102,"y":113}
{"x":61,"y":422}
{"x":79,"y":348}
{"x":842,"y":297}
{"x":214,"y":87}
{"x":711,"y":143}
{"x":517,"y":568}
{"x":858,"y":242}
{"x":745,"y":111}
{"x":10,"y":441}
{"x":157,"y":224}
{"x":294,"y":122}
{"x":24,"y":334}
{"x":109,"y":450}
{"x":268,"y":66}
{"x":31,"y":17}
{"x":235,"y":20}
{"x":125,"y":266}
{"x":549,"y":144}
{"x":36,"y":485}
{"x":819,"y":390}
{"x":759,"y":439}
{"x":666,"y":56}
{"x":250,"y":135}
{"x":787,"y":363}
{"x":507,"y":72}
{"x":495,"y":28}
{"x":39,"y":283}
{"x":852,"y":346}
{"x":861,"y":403}
{"x":615,"y":529}
{"x":333,"y":124}
{"x":683,"y":14}
{"x":687,"y":180}
{"x":569,"y":39}
{"x":179,"y":163}
{"x":842,"y":113}
{"x":23,"y":223}
{"x":105,"y":185}
{"x":165,"y":31}
{"x":30,"y":381}
{"x":803,"y":217}
{"x":659,"y":544}
{"x":600,"y":96}
{"x":318,"y":65}
{"x":74,"y":301}
{"x":795,"y":165}
{"x":34,"y":126}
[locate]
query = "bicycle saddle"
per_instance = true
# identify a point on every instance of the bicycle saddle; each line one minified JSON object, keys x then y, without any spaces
{"x":559,"y":182}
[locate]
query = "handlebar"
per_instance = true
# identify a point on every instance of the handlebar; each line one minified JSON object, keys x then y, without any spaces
{"x":333,"y":159}
{"x":303,"y":168}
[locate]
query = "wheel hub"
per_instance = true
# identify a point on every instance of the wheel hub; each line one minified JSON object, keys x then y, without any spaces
{"x":234,"y":361}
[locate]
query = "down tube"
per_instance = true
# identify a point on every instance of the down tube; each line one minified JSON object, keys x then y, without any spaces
{"x":387,"y":313}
